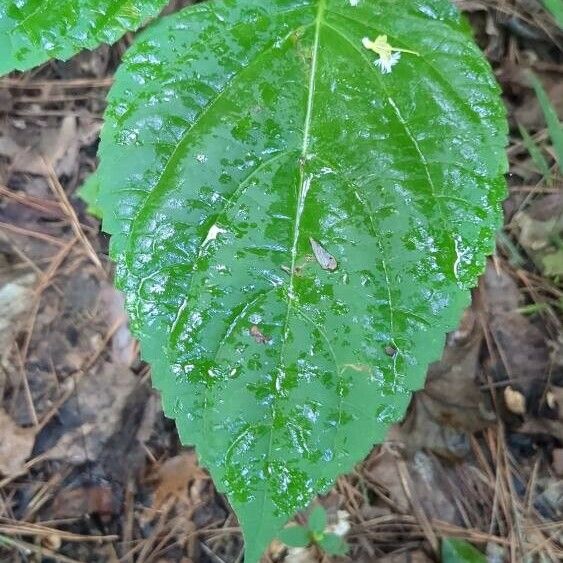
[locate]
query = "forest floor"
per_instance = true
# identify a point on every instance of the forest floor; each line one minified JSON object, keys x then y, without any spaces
{"x":90,"y":470}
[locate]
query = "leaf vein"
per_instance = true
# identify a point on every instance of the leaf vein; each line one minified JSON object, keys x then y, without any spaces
{"x":176,"y":154}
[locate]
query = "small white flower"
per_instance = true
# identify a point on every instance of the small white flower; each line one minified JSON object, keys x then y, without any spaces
{"x":385,"y":64}
{"x":354,"y":2}
{"x":388,"y":56}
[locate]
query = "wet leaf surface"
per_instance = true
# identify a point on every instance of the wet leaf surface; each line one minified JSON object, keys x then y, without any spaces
{"x":235,"y":134}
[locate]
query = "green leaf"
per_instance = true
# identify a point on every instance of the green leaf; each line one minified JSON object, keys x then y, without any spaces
{"x":88,"y":193}
{"x":34,"y":31}
{"x":535,"y":152}
{"x":317,"y":520}
{"x":333,"y":544}
{"x":237,"y":135}
{"x":295,"y":536}
{"x":460,"y":551}
{"x":555,"y":7}
{"x":553,"y":124}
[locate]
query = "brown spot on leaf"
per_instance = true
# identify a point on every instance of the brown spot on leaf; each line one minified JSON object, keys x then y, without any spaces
{"x":258,"y":335}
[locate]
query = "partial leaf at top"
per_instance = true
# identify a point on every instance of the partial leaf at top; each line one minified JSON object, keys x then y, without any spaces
{"x":238,"y":132}
{"x":34,"y":31}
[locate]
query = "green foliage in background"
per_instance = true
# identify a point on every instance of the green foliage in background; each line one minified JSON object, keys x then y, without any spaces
{"x":554,"y":127}
{"x":34,"y":31}
{"x":88,"y":192}
{"x":460,"y":551}
{"x":314,"y":532}
{"x":555,"y":7}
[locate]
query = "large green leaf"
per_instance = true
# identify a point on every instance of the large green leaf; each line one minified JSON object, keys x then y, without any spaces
{"x":34,"y":31}
{"x":294,"y":230}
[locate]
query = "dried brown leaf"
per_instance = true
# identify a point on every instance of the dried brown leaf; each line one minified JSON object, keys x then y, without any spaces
{"x":175,"y":475}
{"x":16,"y":444}
{"x":59,"y":146}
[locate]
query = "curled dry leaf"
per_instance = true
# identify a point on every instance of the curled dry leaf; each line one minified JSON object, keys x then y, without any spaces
{"x":16,"y":300}
{"x":342,"y":524}
{"x":123,"y":345}
{"x":326,"y":260}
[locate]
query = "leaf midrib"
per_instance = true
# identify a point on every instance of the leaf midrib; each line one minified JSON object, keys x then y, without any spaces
{"x":302,"y":194}
{"x":303,"y":187}
{"x":177,"y":153}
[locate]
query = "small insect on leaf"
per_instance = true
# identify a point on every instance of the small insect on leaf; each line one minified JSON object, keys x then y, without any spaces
{"x":258,"y":335}
{"x":326,"y":260}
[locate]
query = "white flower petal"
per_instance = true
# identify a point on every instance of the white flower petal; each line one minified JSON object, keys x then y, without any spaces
{"x":387,"y":63}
